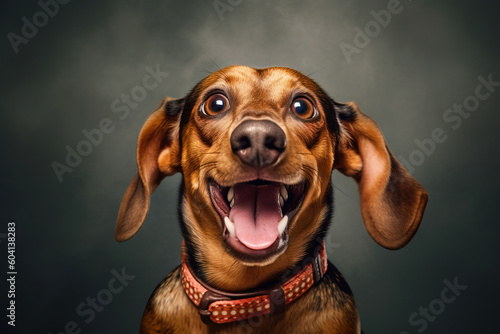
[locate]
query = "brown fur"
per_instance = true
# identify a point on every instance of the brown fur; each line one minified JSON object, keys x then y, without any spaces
{"x":186,"y":141}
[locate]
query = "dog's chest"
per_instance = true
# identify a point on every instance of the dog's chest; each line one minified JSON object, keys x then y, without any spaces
{"x":170,"y":311}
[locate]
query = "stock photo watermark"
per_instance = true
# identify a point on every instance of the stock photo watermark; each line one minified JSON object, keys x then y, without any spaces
{"x":11,"y":273}
{"x":421,"y":318}
{"x":88,"y":309}
{"x":364,"y":36}
{"x":223,"y":6}
{"x":30,"y":27}
{"x":453,"y":117}
{"x":120,"y":106}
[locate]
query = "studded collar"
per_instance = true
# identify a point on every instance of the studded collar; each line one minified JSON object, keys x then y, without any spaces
{"x":220,"y":307}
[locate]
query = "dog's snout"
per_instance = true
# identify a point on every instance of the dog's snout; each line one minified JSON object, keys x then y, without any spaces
{"x":258,"y":143}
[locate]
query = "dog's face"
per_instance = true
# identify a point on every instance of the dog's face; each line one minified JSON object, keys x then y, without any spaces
{"x":252,"y":150}
{"x":256,"y":148}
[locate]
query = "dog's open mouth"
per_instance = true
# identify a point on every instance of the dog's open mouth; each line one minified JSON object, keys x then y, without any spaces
{"x":256,"y":215}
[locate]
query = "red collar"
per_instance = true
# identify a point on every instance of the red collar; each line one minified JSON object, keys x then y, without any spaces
{"x":220,"y":307}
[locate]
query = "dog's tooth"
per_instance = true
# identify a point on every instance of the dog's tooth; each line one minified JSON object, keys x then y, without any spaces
{"x":283,"y":192}
{"x":282,"y":224}
{"x":282,"y":201}
{"x":230,"y":194}
{"x":232,"y":203}
{"x":229,"y":226}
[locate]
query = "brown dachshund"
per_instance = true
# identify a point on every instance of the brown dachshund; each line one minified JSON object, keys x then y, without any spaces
{"x":256,"y":149}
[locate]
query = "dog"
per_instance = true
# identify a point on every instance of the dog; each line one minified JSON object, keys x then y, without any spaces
{"x":256,"y":149}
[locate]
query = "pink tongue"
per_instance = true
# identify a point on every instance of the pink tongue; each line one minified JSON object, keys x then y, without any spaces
{"x":256,"y":213}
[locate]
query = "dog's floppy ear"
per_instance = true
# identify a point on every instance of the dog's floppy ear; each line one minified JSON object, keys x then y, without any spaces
{"x":392,"y":201}
{"x":158,"y":156}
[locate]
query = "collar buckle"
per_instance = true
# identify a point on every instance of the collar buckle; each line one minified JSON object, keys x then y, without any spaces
{"x":317,"y":270}
{"x":208,"y":298}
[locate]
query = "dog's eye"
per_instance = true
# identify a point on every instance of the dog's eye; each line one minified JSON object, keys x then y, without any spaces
{"x":303,"y":108}
{"x":215,"y":104}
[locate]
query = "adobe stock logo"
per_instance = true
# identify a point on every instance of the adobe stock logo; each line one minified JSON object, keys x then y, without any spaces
{"x":29,"y":29}
{"x":373,"y":28}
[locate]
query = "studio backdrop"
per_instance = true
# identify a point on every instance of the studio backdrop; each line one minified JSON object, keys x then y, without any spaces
{"x":79,"y":78}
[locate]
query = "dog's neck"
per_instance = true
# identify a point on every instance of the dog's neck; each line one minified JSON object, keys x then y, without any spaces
{"x":239,"y":277}
{"x":216,"y":306}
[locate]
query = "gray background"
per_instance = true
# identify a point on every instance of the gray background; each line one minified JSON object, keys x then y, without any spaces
{"x":65,"y":78}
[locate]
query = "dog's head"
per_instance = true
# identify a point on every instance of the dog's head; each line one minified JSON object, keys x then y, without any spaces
{"x":256,"y":148}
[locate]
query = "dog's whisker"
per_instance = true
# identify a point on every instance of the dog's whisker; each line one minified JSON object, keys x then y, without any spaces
{"x":220,"y":73}
{"x":315,"y":172}
{"x":305,"y":167}
{"x":200,"y":167}
{"x":207,"y":164}
{"x":315,"y":71}
{"x":343,"y":192}
{"x":213,"y":61}
{"x":206,"y":71}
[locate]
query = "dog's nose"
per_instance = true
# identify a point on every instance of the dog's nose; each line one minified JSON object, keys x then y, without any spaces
{"x":258,"y":143}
